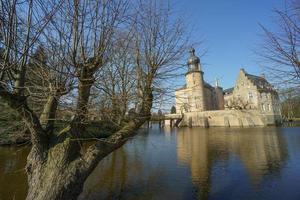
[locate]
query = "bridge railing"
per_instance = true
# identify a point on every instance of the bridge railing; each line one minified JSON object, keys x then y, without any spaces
{"x":166,"y":117}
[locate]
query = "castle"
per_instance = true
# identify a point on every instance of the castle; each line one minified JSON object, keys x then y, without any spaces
{"x":251,"y":102}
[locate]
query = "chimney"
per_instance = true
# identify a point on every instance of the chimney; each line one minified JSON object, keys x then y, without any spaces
{"x":263,"y":75}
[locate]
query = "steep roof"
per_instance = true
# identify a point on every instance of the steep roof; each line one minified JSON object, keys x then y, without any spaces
{"x":260,"y":82}
{"x":207,"y":85}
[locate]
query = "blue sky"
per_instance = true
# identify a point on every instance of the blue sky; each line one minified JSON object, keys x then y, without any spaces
{"x":230,"y":33}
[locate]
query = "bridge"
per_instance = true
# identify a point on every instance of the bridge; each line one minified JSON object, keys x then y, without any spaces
{"x":172,"y":120}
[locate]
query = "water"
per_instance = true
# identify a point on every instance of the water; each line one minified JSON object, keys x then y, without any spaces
{"x":185,"y":163}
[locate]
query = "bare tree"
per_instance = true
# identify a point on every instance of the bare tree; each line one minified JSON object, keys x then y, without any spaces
{"x":79,"y":38}
{"x":237,"y":104}
{"x":290,"y":104}
{"x":159,"y":45}
{"x":116,"y":80}
{"x":280,"y":51}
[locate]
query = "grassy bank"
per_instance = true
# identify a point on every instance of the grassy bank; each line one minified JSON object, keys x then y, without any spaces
{"x":11,"y":135}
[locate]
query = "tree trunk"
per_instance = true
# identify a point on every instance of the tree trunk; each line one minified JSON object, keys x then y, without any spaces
{"x":54,"y":178}
{"x":86,"y":81}
{"x":62,"y":175}
{"x":52,"y":183}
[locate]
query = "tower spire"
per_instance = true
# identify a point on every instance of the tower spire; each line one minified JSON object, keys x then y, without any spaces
{"x":192,"y":51}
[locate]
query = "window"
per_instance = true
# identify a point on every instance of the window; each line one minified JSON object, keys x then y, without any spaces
{"x":250,"y":95}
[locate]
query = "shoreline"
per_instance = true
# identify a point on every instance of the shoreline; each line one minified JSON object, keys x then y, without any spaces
{"x":14,"y":139}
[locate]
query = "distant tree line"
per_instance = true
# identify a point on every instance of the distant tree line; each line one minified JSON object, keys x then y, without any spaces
{"x":290,"y":103}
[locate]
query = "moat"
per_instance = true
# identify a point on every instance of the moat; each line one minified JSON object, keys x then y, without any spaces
{"x":184,"y":163}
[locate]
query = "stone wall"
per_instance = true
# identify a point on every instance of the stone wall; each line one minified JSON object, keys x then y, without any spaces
{"x":219,"y":98}
{"x":229,"y":118}
{"x":181,"y":99}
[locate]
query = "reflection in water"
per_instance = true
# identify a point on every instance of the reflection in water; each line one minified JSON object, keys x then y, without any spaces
{"x":13,"y":182}
{"x":261,"y":151}
{"x":128,"y":173}
{"x":197,"y":163}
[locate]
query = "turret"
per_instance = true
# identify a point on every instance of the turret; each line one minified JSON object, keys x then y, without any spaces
{"x":195,"y":83}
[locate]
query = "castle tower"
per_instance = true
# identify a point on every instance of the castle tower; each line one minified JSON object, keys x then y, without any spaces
{"x":195,"y":83}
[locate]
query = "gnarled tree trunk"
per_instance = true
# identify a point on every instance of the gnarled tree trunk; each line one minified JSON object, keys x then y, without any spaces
{"x":60,"y":175}
{"x":53,"y":178}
